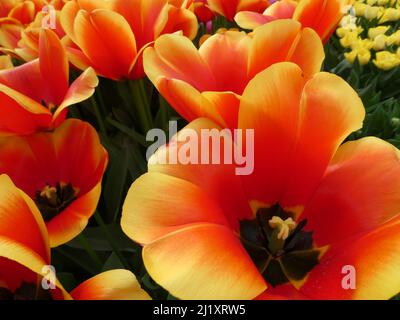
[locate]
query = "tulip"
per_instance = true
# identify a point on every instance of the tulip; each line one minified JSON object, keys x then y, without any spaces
{"x":92,"y":41}
{"x":321,"y":15}
{"x":312,"y":208}
{"x":35,"y":96}
{"x":25,"y":258}
{"x":210,"y":81}
{"x":61,"y":171}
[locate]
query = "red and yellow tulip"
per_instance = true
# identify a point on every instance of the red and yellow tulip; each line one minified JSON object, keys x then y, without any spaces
{"x":311,"y":207}
{"x":25,"y":252}
{"x":35,"y":96}
{"x":228,"y":9}
{"x":92,"y":41}
{"x":321,"y":15}
{"x":210,"y":81}
{"x":61,"y":171}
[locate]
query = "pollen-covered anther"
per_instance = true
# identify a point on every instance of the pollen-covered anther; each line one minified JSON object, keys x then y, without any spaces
{"x":50,"y":193}
{"x":284,"y":226}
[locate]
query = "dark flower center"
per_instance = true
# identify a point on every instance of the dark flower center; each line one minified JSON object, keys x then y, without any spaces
{"x":282,"y":251}
{"x":52,"y":200}
{"x":27,"y":291}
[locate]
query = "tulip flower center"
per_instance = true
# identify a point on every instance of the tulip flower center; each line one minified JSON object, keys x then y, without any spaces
{"x":282,"y":251}
{"x":52,"y":200}
{"x":26,"y":291}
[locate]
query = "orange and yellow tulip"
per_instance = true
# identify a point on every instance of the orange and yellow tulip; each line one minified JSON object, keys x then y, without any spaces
{"x":228,"y":9}
{"x":25,"y":258}
{"x":92,"y":41}
{"x":27,"y":47}
{"x":210,"y":81}
{"x":61,"y":171}
{"x":321,"y":15}
{"x":311,"y":207}
{"x":35,"y":96}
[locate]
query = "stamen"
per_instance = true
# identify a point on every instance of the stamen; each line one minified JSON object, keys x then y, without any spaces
{"x":284,"y":226}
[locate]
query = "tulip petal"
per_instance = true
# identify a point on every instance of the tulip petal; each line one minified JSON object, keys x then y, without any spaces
{"x":176,"y":57}
{"x":251,"y":20}
{"x":330,"y":110}
{"x":54,"y":67}
{"x":359,"y":191}
{"x":290,"y":124}
{"x":219,"y":181}
{"x":320,"y":15}
{"x":293,"y":44}
{"x":148,"y":216}
{"x":375,"y":259}
{"x":111,"y":285}
{"x":203,"y":261}
{"x":180,"y":19}
{"x":21,"y":225}
{"x":230,"y":72}
{"x":111,"y":53}
{"x":147,"y":18}
{"x":81,"y":89}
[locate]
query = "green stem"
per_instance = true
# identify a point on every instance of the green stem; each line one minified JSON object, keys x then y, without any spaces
{"x":141,"y":104}
{"x":76,"y":261}
{"x":109,"y":237}
{"x":99,"y":118}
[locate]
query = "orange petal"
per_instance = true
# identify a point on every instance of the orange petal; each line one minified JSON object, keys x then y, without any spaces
{"x":203,"y":261}
{"x":320,"y":15}
{"x":221,"y":107}
{"x":23,"y":12}
{"x":146,"y":18}
{"x":219,"y":181}
{"x":358,"y":193}
{"x":227,"y":9}
{"x":330,"y":110}
{"x":148,"y":216}
{"x":180,"y":19}
{"x":292,"y":44}
{"x":290,"y":124}
{"x":375,"y":258}
{"x":251,"y":20}
{"x":176,"y":57}
{"x":67,"y":18}
{"x":53,"y":67}
{"x":111,"y":285}
{"x":283,"y":9}
{"x":21,"y":226}
{"x":81,"y":89}
{"x":111,"y":53}
{"x":230,"y":73}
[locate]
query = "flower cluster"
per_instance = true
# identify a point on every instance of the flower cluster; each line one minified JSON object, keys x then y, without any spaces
{"x":371,"y":32}
{"x":84,"y":82}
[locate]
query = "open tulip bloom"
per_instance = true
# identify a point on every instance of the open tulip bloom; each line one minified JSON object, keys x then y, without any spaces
{"x":25,"y":272}
{"x":65,"y":169}
{"x":311,"y":207}
{"x":35,"y":96}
